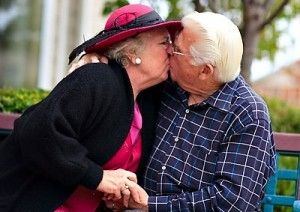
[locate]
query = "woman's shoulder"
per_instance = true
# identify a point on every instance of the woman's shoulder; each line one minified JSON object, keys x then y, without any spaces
{"x":87,"y":77}
{"x":93,"y":73}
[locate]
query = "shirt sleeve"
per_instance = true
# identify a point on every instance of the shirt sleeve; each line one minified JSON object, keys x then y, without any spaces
{"x":243,"y":165}
{"x":49,"y":133}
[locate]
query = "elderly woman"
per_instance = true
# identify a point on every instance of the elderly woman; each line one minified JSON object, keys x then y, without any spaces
{"x":97,"y":125}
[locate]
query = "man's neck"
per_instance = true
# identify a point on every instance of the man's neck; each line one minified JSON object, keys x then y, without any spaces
{"x":196,"y":98}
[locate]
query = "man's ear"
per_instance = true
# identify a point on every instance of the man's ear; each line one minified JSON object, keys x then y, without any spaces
{"x":206,"y":71}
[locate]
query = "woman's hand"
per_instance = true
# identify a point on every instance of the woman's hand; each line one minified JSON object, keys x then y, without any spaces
{"x":88,"y":58}
{"x":116,"y":182}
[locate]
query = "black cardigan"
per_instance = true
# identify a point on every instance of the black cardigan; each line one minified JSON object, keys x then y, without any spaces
{"x":62,"y":141}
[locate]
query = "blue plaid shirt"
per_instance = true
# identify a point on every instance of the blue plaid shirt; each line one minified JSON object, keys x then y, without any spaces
{"x":213,"y":156}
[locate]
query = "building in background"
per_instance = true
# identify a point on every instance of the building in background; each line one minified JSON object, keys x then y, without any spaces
{"x":284,"y":84}
{"x":38,"y":35}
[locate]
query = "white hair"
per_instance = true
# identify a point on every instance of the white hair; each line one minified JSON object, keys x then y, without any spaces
{"x":220,"y":43}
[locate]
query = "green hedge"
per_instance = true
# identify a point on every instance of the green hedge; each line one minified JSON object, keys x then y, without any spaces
{"x":284,"y":117}
{"x":18,"y":99}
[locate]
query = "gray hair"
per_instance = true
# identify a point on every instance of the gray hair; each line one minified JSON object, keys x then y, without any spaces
{"x":120,"y":50}
{"x":220,"y":43}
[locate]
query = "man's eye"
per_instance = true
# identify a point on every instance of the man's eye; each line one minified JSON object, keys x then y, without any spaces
{"x":176,"y":49}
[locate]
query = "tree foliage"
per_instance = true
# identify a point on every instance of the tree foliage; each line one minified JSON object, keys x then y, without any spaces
{"x":4,"y":4}
{"x":112,"y":5}
{"x":257,"y":21}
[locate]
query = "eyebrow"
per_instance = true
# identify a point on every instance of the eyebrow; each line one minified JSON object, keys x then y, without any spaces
{"x":176,"y":37}
{"x":177,"y":33}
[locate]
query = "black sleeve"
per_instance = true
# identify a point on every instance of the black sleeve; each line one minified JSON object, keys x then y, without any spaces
{"x":49,"y":133}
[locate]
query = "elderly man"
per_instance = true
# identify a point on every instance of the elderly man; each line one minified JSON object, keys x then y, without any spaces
{"x":214,"y":149}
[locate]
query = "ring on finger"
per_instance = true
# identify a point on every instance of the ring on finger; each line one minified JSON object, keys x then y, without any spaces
{"x":125,"y":188}
{"x":113,"y":206}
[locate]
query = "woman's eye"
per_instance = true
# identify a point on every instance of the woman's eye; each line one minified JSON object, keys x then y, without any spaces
{"x":166,"y":42}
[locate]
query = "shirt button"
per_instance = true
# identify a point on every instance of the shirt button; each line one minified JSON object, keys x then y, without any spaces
{"x":163,"y":167}
{"x":187,"y":111}
{"x":176,"y":139}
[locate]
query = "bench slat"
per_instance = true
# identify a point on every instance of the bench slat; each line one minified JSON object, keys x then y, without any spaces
{"x":287,"y":142}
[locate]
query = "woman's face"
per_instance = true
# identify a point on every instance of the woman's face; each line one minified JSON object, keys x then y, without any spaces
{"x":154,"y":55}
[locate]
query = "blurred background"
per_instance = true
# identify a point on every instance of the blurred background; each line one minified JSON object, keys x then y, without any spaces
{"x":38,"y":35}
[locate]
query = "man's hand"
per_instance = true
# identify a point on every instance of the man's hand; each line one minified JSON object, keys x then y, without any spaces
{"x":142,"y":204}
{"x":138,"y":199}
{"x":88,"y":58}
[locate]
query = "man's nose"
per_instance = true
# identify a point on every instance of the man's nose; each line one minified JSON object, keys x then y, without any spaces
{"x":170,"y":49}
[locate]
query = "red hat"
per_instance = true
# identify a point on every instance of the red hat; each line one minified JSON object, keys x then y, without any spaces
{"x":125,"y":22}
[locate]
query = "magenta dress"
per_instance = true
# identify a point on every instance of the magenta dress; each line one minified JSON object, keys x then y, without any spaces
{"x":127,"y":157}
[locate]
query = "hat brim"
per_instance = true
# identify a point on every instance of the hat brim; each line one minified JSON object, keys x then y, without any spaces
{"x":172,"y":27}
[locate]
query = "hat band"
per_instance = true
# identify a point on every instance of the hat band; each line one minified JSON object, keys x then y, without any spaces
{"x":148,"y":19}
{"x":141,"y":21}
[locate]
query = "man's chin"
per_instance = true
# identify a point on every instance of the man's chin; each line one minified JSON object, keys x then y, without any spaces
{"x":171,"y":76}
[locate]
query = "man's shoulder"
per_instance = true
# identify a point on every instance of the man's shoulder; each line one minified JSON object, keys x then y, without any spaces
{"x":247,"y":100}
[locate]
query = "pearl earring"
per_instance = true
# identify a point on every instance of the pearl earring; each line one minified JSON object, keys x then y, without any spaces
{"x":138,"y":61}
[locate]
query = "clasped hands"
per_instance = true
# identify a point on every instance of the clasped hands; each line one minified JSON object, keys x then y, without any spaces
{"x":121,"y":190}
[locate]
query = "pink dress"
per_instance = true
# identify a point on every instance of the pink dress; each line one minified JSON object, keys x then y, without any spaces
{"x":127,"y":157}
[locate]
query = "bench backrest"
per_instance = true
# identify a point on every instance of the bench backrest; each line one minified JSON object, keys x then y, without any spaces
{"x":287,"y":175}
{"x":7,"y":124}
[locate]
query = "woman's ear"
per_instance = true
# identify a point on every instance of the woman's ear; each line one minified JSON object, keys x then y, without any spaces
{"x":131,"y":55}
{"x":134,"y":59}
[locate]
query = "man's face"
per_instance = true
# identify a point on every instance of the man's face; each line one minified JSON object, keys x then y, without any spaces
{"x":181,"y":69}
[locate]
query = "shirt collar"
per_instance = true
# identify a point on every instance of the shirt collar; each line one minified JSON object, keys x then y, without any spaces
{"x":221,"y":99}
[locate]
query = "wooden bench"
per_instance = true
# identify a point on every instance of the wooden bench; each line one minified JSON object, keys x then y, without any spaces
{"x":287,"y":146}
{"x":7,"y":124}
